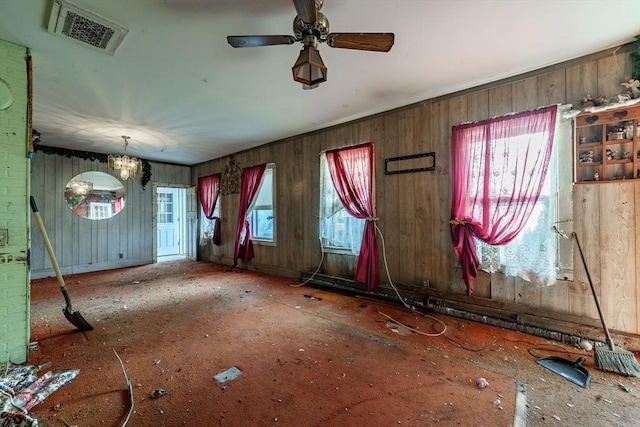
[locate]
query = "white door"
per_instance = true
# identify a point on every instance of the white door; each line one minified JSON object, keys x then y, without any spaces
{"x":168,"y":221}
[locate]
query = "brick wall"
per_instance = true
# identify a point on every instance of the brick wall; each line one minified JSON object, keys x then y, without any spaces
{"x":14,"y":208}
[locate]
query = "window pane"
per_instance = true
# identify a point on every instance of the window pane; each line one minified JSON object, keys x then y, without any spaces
{"x":338,"y":229}
{"x":100,"y":210}
{"x":265,"y":193}
{"x":206,"y":225}
{"x":261,"y":214}
{"x":532,"y":254}
{"x":262,"y":224}
{"x":165,"y":208}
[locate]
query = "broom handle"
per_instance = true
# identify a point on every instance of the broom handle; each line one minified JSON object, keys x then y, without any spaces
{"x":595,"y":297}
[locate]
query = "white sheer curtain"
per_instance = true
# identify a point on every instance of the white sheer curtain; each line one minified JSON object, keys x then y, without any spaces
{"x":533,"y":254}
{"x":338,"y":229}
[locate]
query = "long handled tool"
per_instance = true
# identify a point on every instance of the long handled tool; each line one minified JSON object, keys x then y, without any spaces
{"x":607,"y":357}
{"x":75,"y":318}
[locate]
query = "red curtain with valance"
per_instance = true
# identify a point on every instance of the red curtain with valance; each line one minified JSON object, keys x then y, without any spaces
{"x":498,"y":168}
{"x":208,"y":191}
{"x":352,"y":174}
{"x":249,"y":185}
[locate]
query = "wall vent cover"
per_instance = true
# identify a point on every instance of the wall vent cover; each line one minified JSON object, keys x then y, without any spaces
{"x":94,"y":31}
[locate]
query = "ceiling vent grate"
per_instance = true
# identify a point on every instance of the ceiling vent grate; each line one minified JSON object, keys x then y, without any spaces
{"x":69,"y":21}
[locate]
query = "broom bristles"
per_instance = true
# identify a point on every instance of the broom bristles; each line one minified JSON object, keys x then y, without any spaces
{"x":617,"y":360}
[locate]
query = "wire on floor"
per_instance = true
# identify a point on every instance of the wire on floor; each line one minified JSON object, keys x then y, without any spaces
{"x":410,"y":307}
{"x":541,"y":347}
{"x":297,"y":285}
{"x":437,"y":334}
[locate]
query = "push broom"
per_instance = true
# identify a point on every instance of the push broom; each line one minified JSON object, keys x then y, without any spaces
{"x":607,"y":357}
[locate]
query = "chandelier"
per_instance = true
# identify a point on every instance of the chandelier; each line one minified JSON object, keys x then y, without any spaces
{"x":81,"y":188}
{"x":125,"y":166}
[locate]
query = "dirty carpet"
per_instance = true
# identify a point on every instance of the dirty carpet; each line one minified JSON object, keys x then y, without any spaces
{"x":188,"y":343}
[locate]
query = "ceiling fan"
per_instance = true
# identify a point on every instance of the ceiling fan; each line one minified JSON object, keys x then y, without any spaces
{"x":311,"y":27}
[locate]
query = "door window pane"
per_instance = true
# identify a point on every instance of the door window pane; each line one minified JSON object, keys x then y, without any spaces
{"x":165,"y":208}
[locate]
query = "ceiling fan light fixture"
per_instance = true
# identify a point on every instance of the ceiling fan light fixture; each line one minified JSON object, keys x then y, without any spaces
{"x":309,"y":68}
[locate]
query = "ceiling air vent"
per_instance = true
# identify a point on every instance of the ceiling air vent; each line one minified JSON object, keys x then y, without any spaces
{"x":68,"y":20}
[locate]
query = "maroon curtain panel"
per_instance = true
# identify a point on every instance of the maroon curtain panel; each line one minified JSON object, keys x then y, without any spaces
{"x":249,"y":184}
{"x":117,"y":206}
{"x":208,"y":191}
{"x":498,"y":167}
{"x":351,"y":170}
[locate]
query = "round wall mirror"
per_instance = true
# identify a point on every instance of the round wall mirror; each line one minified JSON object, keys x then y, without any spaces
{"x":95,"y":195}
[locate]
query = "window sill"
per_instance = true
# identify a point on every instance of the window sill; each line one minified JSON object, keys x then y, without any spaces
{"x":565,"y":275}
{"x":263,"y":242}
{"x":338,"y":251}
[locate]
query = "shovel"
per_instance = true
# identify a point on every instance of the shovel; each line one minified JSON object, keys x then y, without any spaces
{"x":75,"y":318}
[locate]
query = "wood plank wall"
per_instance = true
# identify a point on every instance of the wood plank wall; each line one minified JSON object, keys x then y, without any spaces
{"x":414,"y":208}
{"x":81,"y":244}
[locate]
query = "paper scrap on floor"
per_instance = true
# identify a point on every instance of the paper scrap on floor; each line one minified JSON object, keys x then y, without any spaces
{"x":21,"y":389}
{"x":228,"y":375}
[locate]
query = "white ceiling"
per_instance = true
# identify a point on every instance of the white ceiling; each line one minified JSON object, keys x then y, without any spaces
{"x":185,"y":96}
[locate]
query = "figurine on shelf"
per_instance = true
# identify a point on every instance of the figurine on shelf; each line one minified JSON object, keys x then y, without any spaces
{"x":627,"y":155}
{"x":596,"y":176}
{"x":611,"y":155}
{"x":600,"y":101}
{"x":623,"y":98}
{"x":586,"y":156}
{"x":633,"y":88}
{"x":588,"y":101}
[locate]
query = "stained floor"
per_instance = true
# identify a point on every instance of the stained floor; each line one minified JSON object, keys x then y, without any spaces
{"x":203,"y":346}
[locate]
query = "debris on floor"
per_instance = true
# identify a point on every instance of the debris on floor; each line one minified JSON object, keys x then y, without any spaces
{"x":228,"y":375}
{"x":21,"y":389}
{"x":482,"y":383}
{"x":159,"y":392}
{"x":398,"y":329}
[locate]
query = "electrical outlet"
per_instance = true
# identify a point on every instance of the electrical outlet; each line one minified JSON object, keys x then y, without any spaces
{"x":4,"y":237}
{"x":425,"y":283}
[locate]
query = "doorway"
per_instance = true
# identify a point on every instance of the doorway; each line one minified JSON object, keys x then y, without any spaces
{"x":174,"y":223}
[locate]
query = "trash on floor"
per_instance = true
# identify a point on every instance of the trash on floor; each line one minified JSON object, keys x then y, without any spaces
{"x":21,"y":389}
{"x":482,"y":383}
{"x":228,"y":375}
{"x":159,"y":392}
{"x":398,"y":328}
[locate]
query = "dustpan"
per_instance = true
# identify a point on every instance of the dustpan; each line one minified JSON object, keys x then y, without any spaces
{"x":569,"y":370}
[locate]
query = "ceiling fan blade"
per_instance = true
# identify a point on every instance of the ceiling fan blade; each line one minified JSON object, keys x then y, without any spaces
{"x":306,"y":10}
{"x":257,"y":41}
{"x":379,"y":42}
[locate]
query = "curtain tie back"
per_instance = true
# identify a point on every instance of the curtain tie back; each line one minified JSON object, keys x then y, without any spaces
{"x":372,"y":218}
{"x":458,"y":221}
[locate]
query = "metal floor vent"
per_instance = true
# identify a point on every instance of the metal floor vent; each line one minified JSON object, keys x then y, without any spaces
{"x":94,"y":31}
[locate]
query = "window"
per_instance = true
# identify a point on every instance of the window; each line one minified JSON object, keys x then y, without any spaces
{"x":100,"y":210}
{"x":339,"y":231}
{"x":206,"y":225}
{"x":261,"y":213}
{"x":536,"y":253}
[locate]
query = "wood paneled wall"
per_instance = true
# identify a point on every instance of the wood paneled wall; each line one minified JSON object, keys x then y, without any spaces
{"x":414,"y":208}
{"x":81,"y":244}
